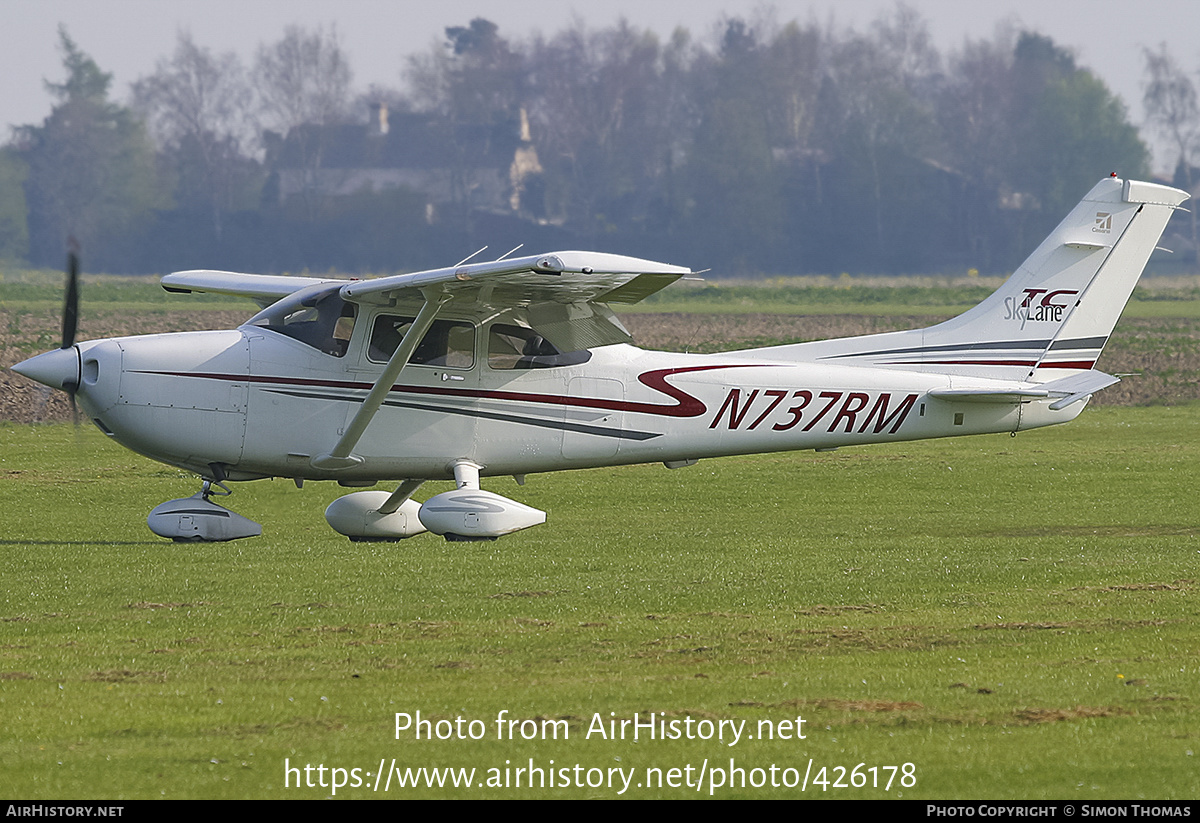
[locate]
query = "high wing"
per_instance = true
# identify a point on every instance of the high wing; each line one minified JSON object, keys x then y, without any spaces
{"x":263,"y":289}
{"x":562,"y":293}
{"x":578,"y":276}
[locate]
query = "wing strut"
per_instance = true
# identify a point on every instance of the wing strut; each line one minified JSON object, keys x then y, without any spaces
{"x":400,"y":496}
{"x":340,"y":457}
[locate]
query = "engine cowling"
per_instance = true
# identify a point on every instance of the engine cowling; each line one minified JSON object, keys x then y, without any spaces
{"x":475,"y":514}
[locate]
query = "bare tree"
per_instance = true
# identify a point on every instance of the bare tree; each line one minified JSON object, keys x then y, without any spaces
{"x":603,"y":118}
{"x":903,"y":37}
{"x":303,"y":88}
{"x":795,"y":62}
{"x":1172,"y":110}
{"x":195,"y":92}
{"x":196,"y":104}
{"x":303,"y":79}
{"x":881,"y":120}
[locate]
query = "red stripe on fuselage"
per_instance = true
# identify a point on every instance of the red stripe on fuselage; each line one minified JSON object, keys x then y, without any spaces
{"x":685,"y":404}
{"x":1067,"y":364}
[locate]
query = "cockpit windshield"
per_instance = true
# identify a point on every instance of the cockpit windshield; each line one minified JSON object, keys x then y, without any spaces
{"x":316,"y":316}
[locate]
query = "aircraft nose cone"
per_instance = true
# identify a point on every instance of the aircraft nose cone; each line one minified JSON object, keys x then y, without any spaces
{"x":58,"y":369}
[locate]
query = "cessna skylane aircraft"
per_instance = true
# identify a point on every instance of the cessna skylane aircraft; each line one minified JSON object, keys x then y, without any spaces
{"x":518,"y":366}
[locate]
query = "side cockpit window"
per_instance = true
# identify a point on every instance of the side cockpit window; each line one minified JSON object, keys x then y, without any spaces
{"x":520,"y":347}
{"x":318,"y":318}
{"x":448,"y":343}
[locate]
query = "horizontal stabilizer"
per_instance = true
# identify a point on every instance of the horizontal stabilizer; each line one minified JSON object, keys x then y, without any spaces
{"x":1076,"y":387}
{"x":990,"y":395}
{"x":1066,"y":390}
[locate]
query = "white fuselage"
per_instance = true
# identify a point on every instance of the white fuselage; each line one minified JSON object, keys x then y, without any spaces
{"x":262,"y":404}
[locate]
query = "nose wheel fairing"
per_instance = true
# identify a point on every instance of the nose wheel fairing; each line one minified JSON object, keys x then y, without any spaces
{"x":198,"y":519}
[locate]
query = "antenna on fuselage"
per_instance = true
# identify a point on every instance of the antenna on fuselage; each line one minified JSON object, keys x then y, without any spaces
{"x":507,"y":253}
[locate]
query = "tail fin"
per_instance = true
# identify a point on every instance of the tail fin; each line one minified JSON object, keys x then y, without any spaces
{"x":1050,"y":319}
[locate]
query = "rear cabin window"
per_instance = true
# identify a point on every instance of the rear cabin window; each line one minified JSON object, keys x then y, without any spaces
{"x":519,"y":347}
{"x":448,"y":343}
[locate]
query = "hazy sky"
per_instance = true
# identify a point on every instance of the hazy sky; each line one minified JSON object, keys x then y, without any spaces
{"x":127,"y":37}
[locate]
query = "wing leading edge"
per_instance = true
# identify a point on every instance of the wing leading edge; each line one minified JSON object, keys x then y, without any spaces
{"x":263,"y":289}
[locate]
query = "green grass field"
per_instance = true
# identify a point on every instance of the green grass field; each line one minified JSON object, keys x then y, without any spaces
{"x":1015,"y":617}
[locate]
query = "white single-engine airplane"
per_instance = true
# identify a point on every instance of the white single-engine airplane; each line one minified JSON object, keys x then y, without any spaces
{"x":519,"y":366}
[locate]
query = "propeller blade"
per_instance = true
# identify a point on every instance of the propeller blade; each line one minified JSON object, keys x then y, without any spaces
{"x":74,"y":409}
{"x":71,"y":317}
{"x":71,"y":300}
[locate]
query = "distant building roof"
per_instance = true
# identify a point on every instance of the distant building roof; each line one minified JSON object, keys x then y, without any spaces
{"x":423,"y":152}
{"x":410,"y":140}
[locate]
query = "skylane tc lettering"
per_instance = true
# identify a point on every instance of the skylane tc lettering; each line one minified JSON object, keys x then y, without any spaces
{"x":1044,"y":310}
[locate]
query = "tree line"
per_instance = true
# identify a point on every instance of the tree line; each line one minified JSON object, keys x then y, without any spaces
{"x":771,"y":147}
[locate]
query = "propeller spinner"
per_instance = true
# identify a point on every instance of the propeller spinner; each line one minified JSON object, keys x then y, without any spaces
{"x":59,"y":369}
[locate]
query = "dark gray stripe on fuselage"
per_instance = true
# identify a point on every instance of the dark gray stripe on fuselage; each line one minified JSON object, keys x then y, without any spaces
{"x":1080,"y":343}
{"x":562,"y":425}
{"x":999,"y":346}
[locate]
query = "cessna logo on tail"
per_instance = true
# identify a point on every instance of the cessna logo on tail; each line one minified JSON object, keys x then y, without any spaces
{"x":1103,"y":222}
{"x":1043,"y":311}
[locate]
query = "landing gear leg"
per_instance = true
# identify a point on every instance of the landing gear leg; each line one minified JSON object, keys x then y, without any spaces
{"x":206,"y":490}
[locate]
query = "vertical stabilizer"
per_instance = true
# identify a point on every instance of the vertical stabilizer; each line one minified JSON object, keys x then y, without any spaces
{"x":1052,"y":317}
{"x":1095,"y":311}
